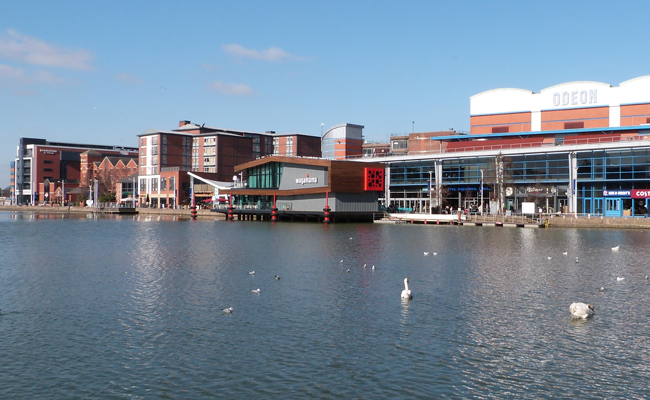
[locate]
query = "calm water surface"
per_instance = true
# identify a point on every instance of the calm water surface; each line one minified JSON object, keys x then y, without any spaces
{"x":131,"y":308}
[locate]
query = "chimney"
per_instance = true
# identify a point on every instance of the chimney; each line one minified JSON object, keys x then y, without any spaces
{"x":183,"y":123}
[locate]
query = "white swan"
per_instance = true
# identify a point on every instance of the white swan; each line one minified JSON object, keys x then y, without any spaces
{"x":581,"y":310}
{"x":619,"y":278}
{"x":426,"y":253}
{"x":227,"y":310}
{"x":616,"y":248}
{"x":251,"y":273}
{"x":255,"y":290}
{"x":565,"y":253}
{"x":406,"y":293}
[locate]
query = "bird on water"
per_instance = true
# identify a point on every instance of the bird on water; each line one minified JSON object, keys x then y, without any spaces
{"x":227,"y":310}
{"x":255,"y":290}
{"x":615,"y":248}
{"x":406,"y":293}
{"x":581,"y":310}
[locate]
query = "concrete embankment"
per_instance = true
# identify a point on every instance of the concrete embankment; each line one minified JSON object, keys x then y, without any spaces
{"x":141,"y":211}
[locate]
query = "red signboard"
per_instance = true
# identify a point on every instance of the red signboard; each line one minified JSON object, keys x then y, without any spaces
{"x":373,"y":179}
{"x":640,"y":193}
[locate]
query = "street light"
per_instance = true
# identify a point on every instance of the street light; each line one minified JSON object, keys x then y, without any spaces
{"x":430,"y":201}
{"x":481,"y":192}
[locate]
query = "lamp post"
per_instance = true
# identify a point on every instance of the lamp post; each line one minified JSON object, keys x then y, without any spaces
{"x":481,"y":189}
{"x":413,"y":129}
{"x":430,"y":201}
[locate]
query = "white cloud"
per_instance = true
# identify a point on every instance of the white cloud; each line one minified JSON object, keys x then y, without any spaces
{"x":12,"y":76}
{"x":30,"y":50}
{"x":274,"y":54}
{"x":234,"y":89}
{"x":126,"y":78}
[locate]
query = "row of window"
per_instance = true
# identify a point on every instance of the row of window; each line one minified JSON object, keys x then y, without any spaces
{"x":155,"y":184}
{"x":593,"y":165}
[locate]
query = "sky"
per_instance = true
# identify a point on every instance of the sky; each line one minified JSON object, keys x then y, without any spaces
{"x":103,"y":72}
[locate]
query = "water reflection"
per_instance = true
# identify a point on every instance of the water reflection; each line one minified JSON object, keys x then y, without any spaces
{"x":131,"y":305}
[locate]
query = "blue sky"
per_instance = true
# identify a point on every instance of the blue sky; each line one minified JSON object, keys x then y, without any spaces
{"x":103,"y":72}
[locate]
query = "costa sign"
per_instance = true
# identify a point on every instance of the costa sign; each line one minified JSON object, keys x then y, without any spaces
{"x":641,"y":193}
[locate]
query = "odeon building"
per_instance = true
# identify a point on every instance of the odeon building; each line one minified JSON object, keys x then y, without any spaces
{"x":578,"y":147}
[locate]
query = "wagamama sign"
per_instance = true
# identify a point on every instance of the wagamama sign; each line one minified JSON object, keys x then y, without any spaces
{"x":575,"y":97}
{"x":307,"y":180}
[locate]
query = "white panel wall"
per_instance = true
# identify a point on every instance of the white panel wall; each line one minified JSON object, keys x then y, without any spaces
{"x":571,"y":95}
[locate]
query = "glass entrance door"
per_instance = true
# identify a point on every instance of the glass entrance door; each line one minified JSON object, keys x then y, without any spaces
{"x":598,"y":206}
{"x":613,"y":208}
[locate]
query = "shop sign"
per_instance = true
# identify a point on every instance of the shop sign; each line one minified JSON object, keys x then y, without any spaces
{"x":532,"y":189}
{"x":616,"y":193}
{"x":306,"y":180}
{"x":641,"y":193}
{"x":48,"y":151}
{"x":575,"y":97}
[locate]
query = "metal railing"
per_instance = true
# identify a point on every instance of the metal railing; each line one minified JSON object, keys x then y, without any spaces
{"x":512,"y":146}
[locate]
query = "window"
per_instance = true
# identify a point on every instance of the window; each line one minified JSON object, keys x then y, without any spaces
{"x":47,"y":169}
{"x":154,"y":185}
{"x":163,"y":184}
{"x":172,"y":183}
{"x":143,"y":141}
{"x":143,"y":185}
{"x":500,"y":129}
{"x":574,"y":125}
{"x":47,"y":162}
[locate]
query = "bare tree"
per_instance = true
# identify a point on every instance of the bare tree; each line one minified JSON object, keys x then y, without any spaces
{"x":497,"y":177}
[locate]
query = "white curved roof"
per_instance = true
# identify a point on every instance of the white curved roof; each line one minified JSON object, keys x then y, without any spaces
{"x":576,"y":94}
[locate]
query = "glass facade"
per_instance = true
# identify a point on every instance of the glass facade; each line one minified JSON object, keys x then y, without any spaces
{"x":540,"y":177}
{"x":265,"y":176}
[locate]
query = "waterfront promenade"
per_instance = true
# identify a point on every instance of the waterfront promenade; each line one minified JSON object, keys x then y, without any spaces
{"x":554,"y":220}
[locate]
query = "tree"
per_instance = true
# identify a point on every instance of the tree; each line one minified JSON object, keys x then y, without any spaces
{"x":498,"y":177}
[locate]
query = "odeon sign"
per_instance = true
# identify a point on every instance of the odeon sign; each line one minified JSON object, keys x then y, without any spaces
{"x":575,"y":97}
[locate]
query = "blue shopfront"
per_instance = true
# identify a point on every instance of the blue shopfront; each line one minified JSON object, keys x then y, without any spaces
{"x":625,"y":203}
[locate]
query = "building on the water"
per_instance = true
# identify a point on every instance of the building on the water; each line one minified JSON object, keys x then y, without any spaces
{"x":578,"y":147}
{"x":305,"y":189}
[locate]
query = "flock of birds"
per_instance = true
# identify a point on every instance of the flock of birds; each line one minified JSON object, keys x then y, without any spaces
{"x":229,"y":310}
{"x":583,"y":310}
{"x":578,"y":309}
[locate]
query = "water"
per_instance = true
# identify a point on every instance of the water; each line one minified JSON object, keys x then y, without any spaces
{"x":131,"y":308}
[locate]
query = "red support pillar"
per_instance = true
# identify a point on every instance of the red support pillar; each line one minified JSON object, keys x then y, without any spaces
{"x":327,"y":208}
{"x":230,"y":208}
{"x":274,"y":211}
{"x":193,"y":208}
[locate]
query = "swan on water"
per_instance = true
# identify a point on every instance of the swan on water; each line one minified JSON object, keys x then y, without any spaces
{"x":619,"y":278}
{"x":365,"y":265}
{"x":581,"y":310}
{"x":227,"y":310}
{"x":565,"y":253}
{"x":549,"y":257}
{"x":256,"y":290}
{"x":373,"y":267}
{"x":406,"y":293}
{"x":616,"y":248}
{"x":435,"y":253}
{"x":426,"y":253}
{"x":251,"y":273}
